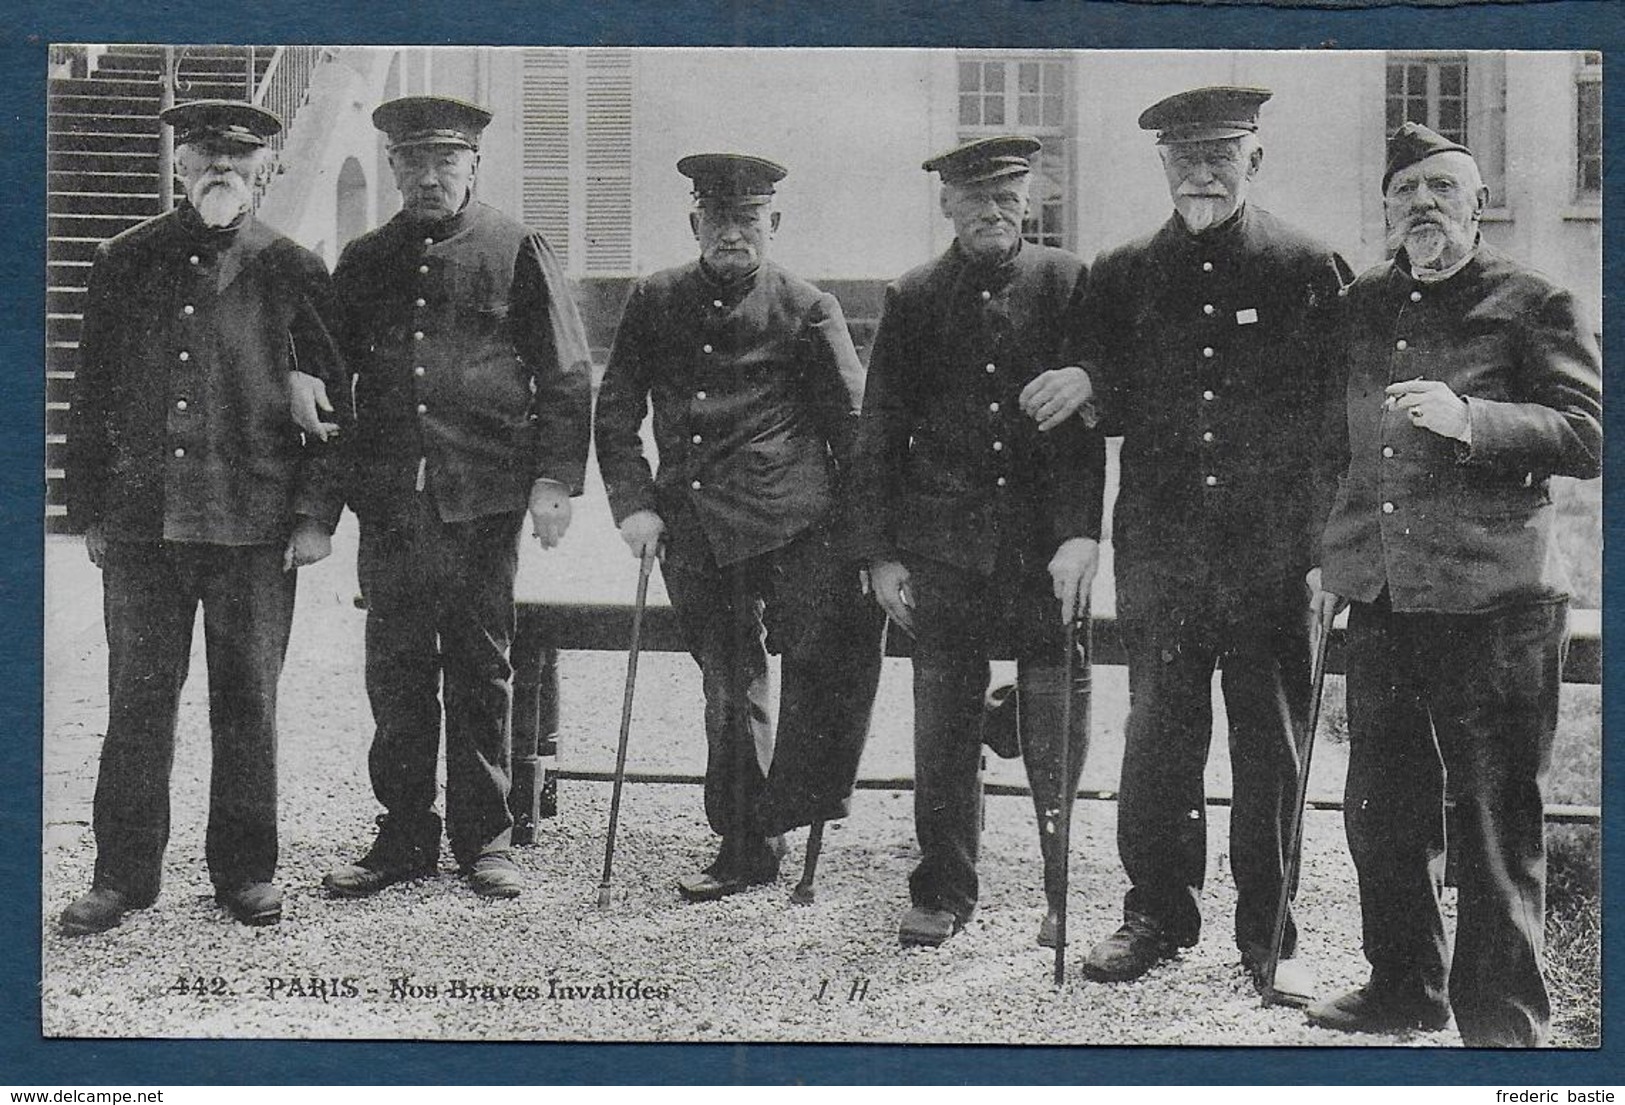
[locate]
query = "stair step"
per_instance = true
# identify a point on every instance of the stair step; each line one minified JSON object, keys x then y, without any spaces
{"x":90,"y":226}
{"x":58,"y":389}
{"x":103,"y":161}
{"x":61,"y":362}
{"x":55,"y":454}
{"x":56,"y":420}
{"x":141,"y":183}
{"x":104,"y":86}
{"x":62,"y":327}
{"x":68,"y":141}
{"x":102,"y":124}
{"x":65,"y":301}
{"x":93,"y":203}
{"x":67,"y":274}
{"x":146,"y":105}
{"x":71,"y":248}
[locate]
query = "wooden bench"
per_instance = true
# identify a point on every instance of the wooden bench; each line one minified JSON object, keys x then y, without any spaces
{"x":597,"y":616}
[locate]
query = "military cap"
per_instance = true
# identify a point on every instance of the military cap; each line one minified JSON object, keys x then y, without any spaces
{"x":732,"y":178}
{"x":1205,"y":114}
{"x":224,"y":120}
{"x":984,"y":159}
{"x":1413,"y":142}
{"x":431,"y":121}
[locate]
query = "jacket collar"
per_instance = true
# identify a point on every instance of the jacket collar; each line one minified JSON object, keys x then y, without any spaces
{"x":441,"y":229}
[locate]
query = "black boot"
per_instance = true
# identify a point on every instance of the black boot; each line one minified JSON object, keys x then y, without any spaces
{"x":405,"y":849}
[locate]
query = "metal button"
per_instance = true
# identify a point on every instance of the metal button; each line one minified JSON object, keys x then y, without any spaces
{"x":1208,"y":395}
{"x":994,"y":407}
{"x":185,"y":356}
{"x":1387,"y":450}
{"x":192,"y":259}
{"x":999,"y":482}
{"x":705,"y":348}
{"x":998,"y":446}
{"x":423,"y":408}
{"x":696,"y":439}
{"x":1207,"y":308}
{"x":188,"y":310}
{"x":419,"y":370}
{"x":699,"y":395}
{"x":695,"y":485}
{"x":428,"y":241}
{"x":423,"y":269}
{"x":1401,"y":344}
{"x":180,"y":404}
{"x":417,"y":335}
{"x":1207,"y":435}
{"x":1207,"y":351}
{"x":1387,"y":508}
{"x":180,"y":453}
{"x":1211,"y":481}
{"x":1207,"y":266}
{"x":1416,"y":297}
{"x":716,"y":303}
{"x":986,"y":295}
{"x":420,"y":302}
{"x":991,"y":367}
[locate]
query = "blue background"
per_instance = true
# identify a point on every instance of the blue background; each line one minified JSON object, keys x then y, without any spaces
{"x":28,"y":1060}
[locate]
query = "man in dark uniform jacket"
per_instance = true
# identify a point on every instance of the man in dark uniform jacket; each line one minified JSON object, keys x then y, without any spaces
{"x":981,"y":532}
{"x":472,"y":393}
{"x":193,"y":486}
{"x":755,"y":388}
{"x":1471,"y":381}
{"x":1209,"y":344}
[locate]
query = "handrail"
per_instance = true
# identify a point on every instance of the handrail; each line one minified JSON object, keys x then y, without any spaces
{"x":283,"y":90}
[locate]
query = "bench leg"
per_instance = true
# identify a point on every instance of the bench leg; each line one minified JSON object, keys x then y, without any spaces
{"x":535,"y":736}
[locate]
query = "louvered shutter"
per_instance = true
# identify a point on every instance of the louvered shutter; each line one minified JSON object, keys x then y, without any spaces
{"x":545,"y":189}
{"x":608,"y":225}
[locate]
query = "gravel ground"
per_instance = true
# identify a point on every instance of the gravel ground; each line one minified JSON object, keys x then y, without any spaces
{"x":430,"y":959}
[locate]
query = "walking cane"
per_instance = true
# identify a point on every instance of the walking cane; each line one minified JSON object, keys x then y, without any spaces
{"x":1294,"y":839}
{"x":645,"y":566}
{"x":1066,"y":790}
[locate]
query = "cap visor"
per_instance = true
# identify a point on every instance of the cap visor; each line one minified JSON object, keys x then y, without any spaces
{"x":432,"y":140}
{"x":994,"y":172}
{"x":1201,"y":134}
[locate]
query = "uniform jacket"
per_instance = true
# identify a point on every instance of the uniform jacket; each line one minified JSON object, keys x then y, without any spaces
{"x":1449,"y":528}
{"x":1212,"y":355}
{"x":472,"y":374}
{"x":179,"y":427}
{"x":947,"y":466}
{"x":755,"y":387}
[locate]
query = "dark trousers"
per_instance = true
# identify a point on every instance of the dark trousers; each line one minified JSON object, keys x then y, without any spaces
{"x":151,"y":592}
{"x":439,"y":620}
{"x":961,"y":619}
{"x":1175,"y":635}
{"x":804,"y":603}
{"x":1473,"y":698}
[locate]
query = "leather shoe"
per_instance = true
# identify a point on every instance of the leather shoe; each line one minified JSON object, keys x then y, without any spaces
{"x":1377,"y":1009}
{"x":394,"y":857}
{"x":1129,"y":952}
{"x":97,"y":911}
{"x":494,"y":875}
{"x":741,"y":863}
{"x":925,"y":926}
{"x":252,"y":903}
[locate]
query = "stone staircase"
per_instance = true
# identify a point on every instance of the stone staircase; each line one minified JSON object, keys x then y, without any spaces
{"x":102,"y":162}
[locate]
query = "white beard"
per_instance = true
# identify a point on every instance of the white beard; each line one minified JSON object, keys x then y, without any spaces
{"x":1201,"y":212}
{"x":221,"y":204}
{"x":1425,"y":245}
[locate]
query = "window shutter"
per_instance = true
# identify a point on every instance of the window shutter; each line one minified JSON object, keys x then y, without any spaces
{"x":545,"y":195}
{"x":609,"y":161}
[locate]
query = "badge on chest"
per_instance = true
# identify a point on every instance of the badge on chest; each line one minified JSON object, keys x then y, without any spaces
{"x":1247,"y":316}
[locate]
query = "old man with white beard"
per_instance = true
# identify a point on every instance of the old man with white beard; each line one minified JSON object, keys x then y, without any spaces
{"x":193,"y":488}
{"x":1207,"y":346}
{"x":1471,"y":381}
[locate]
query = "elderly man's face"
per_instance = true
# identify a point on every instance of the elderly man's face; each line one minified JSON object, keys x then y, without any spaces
{"x":1433,"y":208}
{"x":435,"y":180}
{"x":1209,"y":180}
{"x":733,"y":237}
{"x":218,"y":177}
{"x":987,"y":214}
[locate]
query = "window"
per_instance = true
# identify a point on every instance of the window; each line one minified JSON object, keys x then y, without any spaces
{"x":1027,"y":96}
{"x":1463,"y":97}
{"x":1588,"y":127}
{"x":1431,"y":91}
